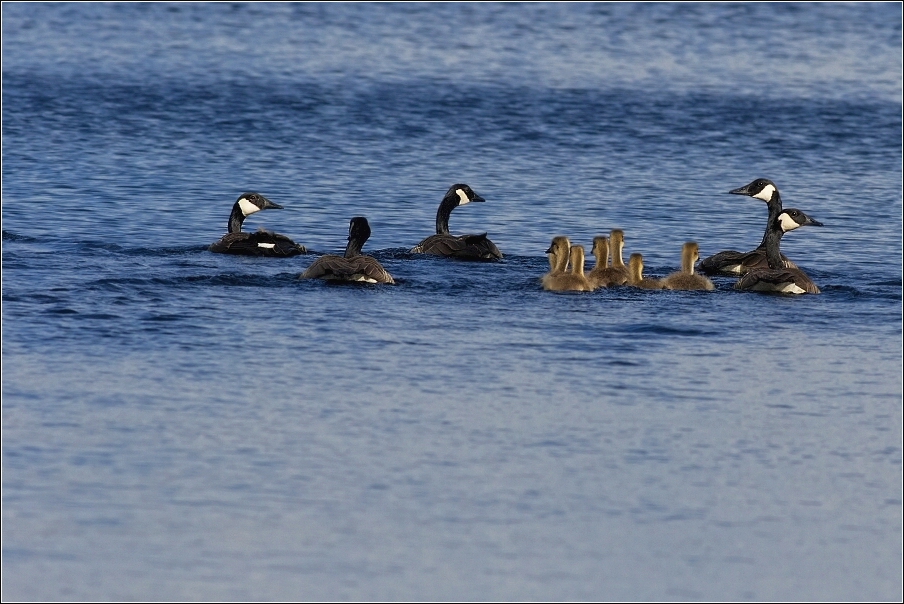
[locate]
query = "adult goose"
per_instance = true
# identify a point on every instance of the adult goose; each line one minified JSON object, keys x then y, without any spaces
{"x":353,"y":265}
{"x":778,"y":277}
{"x":463,"y":247}
{"x":258,"y":243}
{"x":731,"y":262}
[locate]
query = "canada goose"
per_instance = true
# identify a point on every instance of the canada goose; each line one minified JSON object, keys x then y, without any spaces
{"x":464,"y":247}
{"x":353,"y":266}
{"x":738,"y":263}
{"x":778,"y":277}
{"x":685,"y":278}
{"x":635,"y":279}
{"x":602,"y":274}
{"x":616,"y":246}
{"x":259,"y":243}
{"x":573,"y":280}
{"x":558,"y":253}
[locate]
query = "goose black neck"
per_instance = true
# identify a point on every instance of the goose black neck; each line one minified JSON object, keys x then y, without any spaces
{"x":358,"y":234}
{"x":772,"y":242}
{"x":353,"y":248}
{"x":449,"y":203}
{"x":236,"y":219}
{"x":775,"y":208}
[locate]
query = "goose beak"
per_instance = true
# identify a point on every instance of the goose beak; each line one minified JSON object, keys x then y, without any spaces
{"x":477,"y":198}
{"x":745,"y":190}
{"x":269,"y":205}
{"x":811,"y":222}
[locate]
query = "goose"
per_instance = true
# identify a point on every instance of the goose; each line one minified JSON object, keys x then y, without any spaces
{"x":635,"y":279}
{"x":573,"y":280}
{"x":685,"y":279}
{"x":463,"y":247}
{"x":259,"y":243}
{"x":602,"y":274}
{"x":779,"y":277}
{"x":353,"y":266}
{"x":616,"y":247}
{"x":558,"y":253}
{"x":738,"y":263}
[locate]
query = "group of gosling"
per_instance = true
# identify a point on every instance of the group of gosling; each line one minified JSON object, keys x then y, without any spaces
{"x":566,"y":267}
{"x":763,"y":269}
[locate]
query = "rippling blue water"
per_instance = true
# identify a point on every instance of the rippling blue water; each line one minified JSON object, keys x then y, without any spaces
{"x":180,"y":424}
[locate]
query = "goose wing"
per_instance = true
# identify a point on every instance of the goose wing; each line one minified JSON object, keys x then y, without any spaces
{"x":465,"y":247}
{"x":358,"y":268}
{"x":259,"y":243}
{"x":731,"y":262}
{"x":785,"y":280}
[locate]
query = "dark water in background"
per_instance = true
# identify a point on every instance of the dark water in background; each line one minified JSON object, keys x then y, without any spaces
{"x":179,"y":424}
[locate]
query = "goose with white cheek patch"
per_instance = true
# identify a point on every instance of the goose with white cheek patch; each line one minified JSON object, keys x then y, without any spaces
{"x":778,"y":278}
{"x":353,"y":266}
{"x":258,"y":243}
{"x":463,"y":247}
{"x":731,"y":262}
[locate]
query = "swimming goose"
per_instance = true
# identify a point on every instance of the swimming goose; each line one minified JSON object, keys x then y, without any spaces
{"x":464,"y":247}
{"x":635,"y":276}
{"x":616,"y":247}
{"x":778,"y":277}
{"x":353,"y":266}
{"x":738,"y":263}
{"x":558,"y":259}
{"x":573,"y":280}
{"x":259,"y":243}
{"x":685,"y":279}
{"x":602,"y":274}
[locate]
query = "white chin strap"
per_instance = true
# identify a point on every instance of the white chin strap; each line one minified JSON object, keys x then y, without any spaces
{"x":247,"y":207}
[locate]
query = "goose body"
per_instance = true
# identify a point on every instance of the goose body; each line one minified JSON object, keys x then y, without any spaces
{"x":463,"y":247}
{"x":258,"y":243}
{"x":685,"y":279}
{"x":573,"y":280}
{"x":779,"y":278}
{"x":635,"y":278}
{"x":602,"y":274}
{"x":558,"y":253}
{"x":353,"y":266}
{"x":731,"y":262}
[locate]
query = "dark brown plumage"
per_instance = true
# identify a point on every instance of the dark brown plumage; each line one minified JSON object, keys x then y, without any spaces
{"x":353,"y":266}
{"x":463,"y":247}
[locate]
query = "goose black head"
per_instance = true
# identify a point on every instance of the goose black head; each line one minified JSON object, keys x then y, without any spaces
{"x":463,"y":193}
{"x":249,"y":203}
{"x":358,"y":234}
{"x":792,"y":218}
{"x":762,"y":189}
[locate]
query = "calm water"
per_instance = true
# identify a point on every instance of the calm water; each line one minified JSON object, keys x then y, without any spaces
{"x":184,"y":425}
